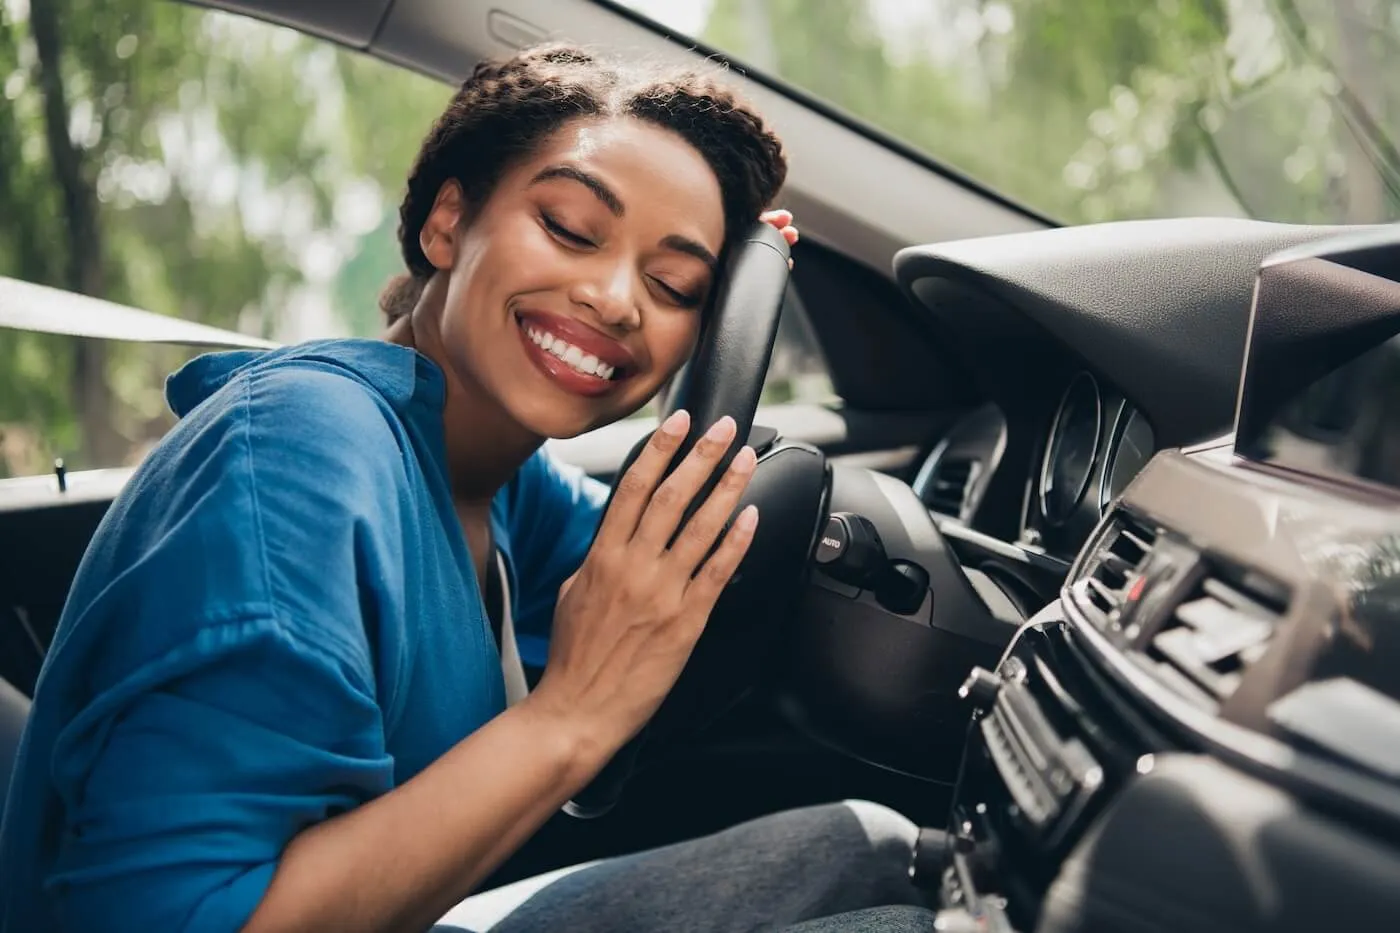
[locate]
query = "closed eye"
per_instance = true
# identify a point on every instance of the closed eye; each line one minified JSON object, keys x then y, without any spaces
{"x":678,"y":297}
{"x":564,"y":233}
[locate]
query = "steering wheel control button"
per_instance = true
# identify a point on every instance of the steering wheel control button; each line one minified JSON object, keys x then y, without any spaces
{"x":850,"y":549}
{"x":834,"y":542}
{"x":981,"y":688}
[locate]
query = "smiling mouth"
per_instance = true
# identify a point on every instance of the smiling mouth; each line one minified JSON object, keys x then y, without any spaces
{"x":571,"y":356}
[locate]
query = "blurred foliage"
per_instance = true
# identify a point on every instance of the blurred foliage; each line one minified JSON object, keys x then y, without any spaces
{"x":202,"y":165}
{"x":1091,"y":110}
{"x":229,"y":166}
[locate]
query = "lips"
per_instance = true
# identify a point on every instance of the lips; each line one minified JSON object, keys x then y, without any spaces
{"x":574,"y":355}
{"x":577,"y":334}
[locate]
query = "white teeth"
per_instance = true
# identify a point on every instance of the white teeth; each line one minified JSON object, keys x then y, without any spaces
{"x":583,"y":362}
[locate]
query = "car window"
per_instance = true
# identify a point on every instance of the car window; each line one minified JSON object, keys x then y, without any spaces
{"x":1279,"y":109}
{"x":208,"y":166}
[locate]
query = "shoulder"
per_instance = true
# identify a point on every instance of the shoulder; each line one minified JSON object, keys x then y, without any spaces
{"x":267,"y":460}
{"x":285,"y":476}
{"x":331,"y":408}
{"x":308,"y":404}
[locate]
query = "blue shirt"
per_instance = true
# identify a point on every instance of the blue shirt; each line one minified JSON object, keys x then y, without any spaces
{"x":276,"y":622}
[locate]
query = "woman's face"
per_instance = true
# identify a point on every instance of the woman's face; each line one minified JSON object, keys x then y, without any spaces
{"x":576,"y":290}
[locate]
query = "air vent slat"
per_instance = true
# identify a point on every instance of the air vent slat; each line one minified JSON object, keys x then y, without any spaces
{"x":1235,"y":599}
{"x":1142,"y":545}
{"x":1177,"y":646}
{"x":948,"y":487}
{"x":1219,"y":629}
{"x":1103,"y":591}
{"x":1113,"y":570}
{"x":1117,"y":564}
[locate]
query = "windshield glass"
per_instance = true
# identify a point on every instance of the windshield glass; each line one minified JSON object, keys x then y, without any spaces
{"x":1278,"y":109}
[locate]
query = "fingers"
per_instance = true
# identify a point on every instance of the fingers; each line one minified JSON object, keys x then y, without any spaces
{"x":704,"y":590}
{"x":704,"y":527}
{"x":779,"y":216}
{"x":663,"y":515}
{"x":635,"y":488}
{"x":782,"y":219}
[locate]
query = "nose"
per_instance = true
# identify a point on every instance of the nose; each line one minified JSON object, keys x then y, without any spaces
{"x":611,"y":294}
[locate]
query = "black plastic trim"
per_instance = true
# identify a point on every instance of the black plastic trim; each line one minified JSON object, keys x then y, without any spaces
{"x":1012,"y":552}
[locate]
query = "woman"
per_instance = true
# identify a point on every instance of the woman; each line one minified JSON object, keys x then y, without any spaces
{"x":275,"y":701}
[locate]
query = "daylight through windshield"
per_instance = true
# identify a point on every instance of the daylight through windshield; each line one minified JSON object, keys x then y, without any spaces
{"x":1280,"y":109}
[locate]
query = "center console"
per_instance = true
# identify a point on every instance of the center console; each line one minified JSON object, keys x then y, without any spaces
{"x":1043,"y":754}
{"x":1203,"y":732}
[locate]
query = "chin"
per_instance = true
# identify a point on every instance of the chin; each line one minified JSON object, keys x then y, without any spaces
{"x":561,"y":423}
{"x":561,"y":415}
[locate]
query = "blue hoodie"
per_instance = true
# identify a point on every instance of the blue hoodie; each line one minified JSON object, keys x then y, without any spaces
{"x":276,"y":622}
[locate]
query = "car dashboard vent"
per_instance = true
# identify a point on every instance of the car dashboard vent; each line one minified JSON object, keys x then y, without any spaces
{"x":1115,"y":568}
{"x":1216,"y":632}
{"x":947,"y":490}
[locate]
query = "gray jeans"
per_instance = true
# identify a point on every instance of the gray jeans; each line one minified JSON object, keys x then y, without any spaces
{"x":816,"y":870}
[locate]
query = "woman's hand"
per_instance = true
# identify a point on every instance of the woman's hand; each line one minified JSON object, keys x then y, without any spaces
{"x":627,"y":621}
{"x":783,"y":221}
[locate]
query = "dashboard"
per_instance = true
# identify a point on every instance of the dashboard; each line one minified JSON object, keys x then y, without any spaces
{"x":1093,"y":347}
{"x":1086,"y":451}
{"x":1200,"y":730}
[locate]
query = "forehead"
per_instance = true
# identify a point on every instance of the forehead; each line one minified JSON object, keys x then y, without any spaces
{"x":659,"y":177}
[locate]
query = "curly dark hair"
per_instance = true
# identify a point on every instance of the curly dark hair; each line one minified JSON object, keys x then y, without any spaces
{"x":508,"y":108}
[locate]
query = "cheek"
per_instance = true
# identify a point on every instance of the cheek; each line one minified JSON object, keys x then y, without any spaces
{"x":486,"y":275}
{"x":671,"y":341}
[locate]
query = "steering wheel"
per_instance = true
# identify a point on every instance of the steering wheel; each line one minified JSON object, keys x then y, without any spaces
{"x":725,"y":376}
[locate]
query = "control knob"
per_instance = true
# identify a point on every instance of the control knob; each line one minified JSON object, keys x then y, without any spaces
{"x":981,"y":688}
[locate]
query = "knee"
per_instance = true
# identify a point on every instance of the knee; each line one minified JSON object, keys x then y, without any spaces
{"x":887,"y":832}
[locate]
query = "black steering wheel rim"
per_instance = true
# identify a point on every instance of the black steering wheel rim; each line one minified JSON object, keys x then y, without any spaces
{"x":724,"y":376}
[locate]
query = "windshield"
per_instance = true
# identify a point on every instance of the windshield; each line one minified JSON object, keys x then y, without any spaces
{"x":1277,"y":109}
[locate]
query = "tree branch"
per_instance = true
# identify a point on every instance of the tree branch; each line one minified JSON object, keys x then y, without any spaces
{"x":79,"y":198}
{"x":84,"y":261}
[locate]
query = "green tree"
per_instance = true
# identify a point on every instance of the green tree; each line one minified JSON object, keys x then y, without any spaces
{"x":186,"y":162}
{"x":1100,"y":109}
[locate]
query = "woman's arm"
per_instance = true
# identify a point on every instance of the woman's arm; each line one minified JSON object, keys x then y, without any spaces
{"x":625,"y":627}
{"x":400,"y":862}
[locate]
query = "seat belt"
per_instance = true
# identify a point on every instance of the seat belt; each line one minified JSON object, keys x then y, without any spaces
{"x":503,"y":625}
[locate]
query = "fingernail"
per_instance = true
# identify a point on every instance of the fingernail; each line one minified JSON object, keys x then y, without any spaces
{"x":748,"y":519}
{"x":676,"y":424}
{"x":744,"y":461}
{"x":721,"y":429}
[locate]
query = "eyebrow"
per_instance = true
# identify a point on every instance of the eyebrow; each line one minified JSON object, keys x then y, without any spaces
{"x":592,"y":182}
{"x":690,"y":247}
{"x":613,"y":203}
